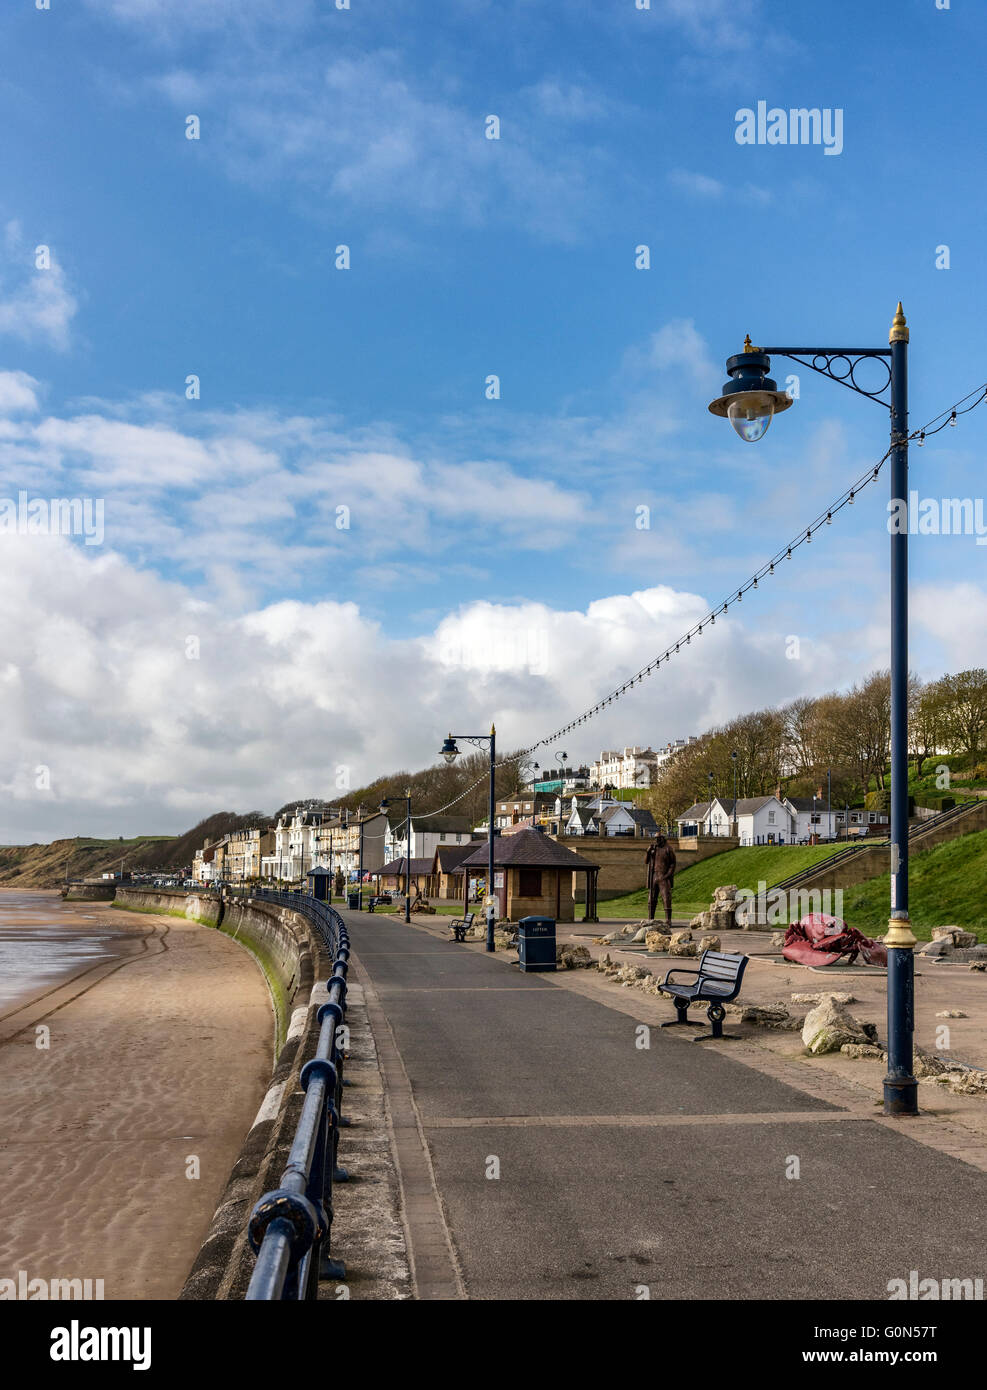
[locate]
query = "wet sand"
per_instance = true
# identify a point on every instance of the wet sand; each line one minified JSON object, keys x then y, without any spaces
{"x":160,"y":1054}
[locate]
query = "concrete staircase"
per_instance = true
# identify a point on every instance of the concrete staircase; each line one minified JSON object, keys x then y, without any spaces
{"x":857,"y":863}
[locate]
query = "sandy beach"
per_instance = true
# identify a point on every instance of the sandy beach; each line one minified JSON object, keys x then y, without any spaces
{"x":159,"y":1055}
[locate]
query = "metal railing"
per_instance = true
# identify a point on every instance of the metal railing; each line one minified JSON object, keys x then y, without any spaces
{"x":290,"y":1228}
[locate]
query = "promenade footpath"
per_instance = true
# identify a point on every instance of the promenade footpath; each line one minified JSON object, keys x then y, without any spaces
{"x":544,"y":1153}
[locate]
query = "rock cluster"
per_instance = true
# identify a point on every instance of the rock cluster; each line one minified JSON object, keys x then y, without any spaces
{"x":568,"y":957}
{"x":721,"y":915}
{"x":953,"y":943}
{"x":830,"y":1026}
{"x":628,"y":975}
{"x":955,"y":1076}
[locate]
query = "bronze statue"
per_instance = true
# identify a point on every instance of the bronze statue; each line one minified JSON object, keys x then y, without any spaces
{"x":661,"y":875}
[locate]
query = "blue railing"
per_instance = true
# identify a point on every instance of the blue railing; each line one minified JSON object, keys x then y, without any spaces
{"x":290,"y":1227}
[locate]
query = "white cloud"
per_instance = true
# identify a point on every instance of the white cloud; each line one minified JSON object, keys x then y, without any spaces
{"x":700,"y":184}
{"x":139,"y":737}
{"x":18,"y":393}
{"x":954,"y":617}
{"x":35,"y":305}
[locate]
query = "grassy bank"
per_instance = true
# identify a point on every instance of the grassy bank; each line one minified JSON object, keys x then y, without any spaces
{"x":694,"y":887}
{"x":947,"y":886}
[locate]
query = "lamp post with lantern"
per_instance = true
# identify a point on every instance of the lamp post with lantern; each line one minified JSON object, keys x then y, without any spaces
{"x":750,"y":400}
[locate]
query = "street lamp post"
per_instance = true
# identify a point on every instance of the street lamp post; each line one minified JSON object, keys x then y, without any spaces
{"x":749,"y":401}
{"x":561,"y":758}
{"x":709,"y":802}
{"x":407,"y":859}
{"x":527,"y":768}
{"x":450,"y":752}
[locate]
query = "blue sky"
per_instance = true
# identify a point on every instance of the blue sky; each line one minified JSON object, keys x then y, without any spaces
{"x":491,"y":566}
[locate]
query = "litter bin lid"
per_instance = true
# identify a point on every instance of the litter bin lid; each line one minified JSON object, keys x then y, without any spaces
{"x":537,"y":926}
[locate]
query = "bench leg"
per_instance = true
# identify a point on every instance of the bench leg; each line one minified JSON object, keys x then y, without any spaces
{"x":681,"y":1014}
{"x":716,"y":1013}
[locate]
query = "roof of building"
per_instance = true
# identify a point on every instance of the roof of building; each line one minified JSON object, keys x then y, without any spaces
{"x":637,"y":814}
{"x":441,"y":824}
{"x":529,"y":848}
{"x":806,"y":803}
{"x":696,"y":811}
{"x":400,"y":866}
{"x":447,"y":858}
{"x":744,"y":805}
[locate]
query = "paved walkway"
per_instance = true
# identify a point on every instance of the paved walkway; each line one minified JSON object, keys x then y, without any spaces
{"x":545,"y":1154}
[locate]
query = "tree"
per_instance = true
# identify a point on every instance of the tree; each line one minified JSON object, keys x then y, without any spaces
{"x":926,"y":722}
{"x":964,"y":712}
{"x":800,"y":724}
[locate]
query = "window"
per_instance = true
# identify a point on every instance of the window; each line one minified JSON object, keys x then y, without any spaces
{"x":871,"y":818}
{"x":816,"y":819}
{"x":771,"y":817}
{"x":529,"y":883}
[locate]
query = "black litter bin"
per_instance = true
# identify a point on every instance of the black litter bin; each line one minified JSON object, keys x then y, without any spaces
{"x":353,"y":899}
{"x":536,"y":943}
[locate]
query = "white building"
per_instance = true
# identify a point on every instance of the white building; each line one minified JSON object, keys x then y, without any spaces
{"x":669,"y":751}
{"x":627,"y":767}
{"x":812,"y":817}
{"x":614,"y":818}
{"x":760,"y":820}
{"x":427,"y":833}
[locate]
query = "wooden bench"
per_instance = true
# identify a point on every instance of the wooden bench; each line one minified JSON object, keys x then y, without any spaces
{"x":717,"y":981}
{"x":461,"y":925}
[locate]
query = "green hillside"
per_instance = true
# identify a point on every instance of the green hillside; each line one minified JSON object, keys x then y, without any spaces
{"x":694,"y":887}
{"x":947,"y":886}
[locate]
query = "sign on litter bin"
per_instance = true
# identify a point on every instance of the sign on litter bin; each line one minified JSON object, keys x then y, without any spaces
{"x":536,"y":943}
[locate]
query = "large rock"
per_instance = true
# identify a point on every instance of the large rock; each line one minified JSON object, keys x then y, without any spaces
{"x":841,"y":997}
{"x":573,"y":957}
{"x":936,"y":950}
{"x":728,"y":893}
{"x":709,"y":943}
{"x":657,"y":941}
{"x":829,"y":1025}
{"x":681,"y":948}
{"x":640,"y":935}
{"x":700,"y":921}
